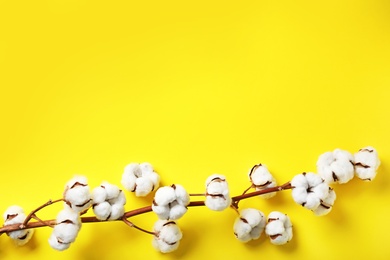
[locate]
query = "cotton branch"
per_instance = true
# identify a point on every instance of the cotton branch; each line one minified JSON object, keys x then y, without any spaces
{"x":44,"y":223}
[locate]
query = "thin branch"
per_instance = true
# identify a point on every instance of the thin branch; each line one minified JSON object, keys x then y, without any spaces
{"x":32,"y":213}
{"x":131,"y":224}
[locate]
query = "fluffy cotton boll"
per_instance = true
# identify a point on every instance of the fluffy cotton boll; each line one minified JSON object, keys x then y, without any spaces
{"x":326,"y":204}
{"x":167,"y":236}
{"x":76,"y":194}
{"x":279,"y":228}
{"x":170,"y":202}
{"x":336,"y":166}
{"x":15,"y":215}
{"x":68,"y":224}
{"x":108,"y":202}
{"x":262,"y":179}
{"x":309,"y":189}
{"x":140,"y":178}
{"x":56,"y":244}
{"x":217,"y":193}
{"x":249,"y":225}
{"x":366,"y":163}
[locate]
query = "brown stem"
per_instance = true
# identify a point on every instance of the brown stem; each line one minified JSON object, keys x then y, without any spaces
{"x":131,"y":224}
{"x":32,"y":213}
{"x":44,"y":223}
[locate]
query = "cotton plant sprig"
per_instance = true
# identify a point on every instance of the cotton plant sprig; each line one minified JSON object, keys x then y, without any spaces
{"x":312,"y":191}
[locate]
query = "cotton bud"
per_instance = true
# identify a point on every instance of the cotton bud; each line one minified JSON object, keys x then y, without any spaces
{"x":170,"y":202}
{"x":279,"y":228}
{"x":366,"y":163}
{"x":309,"y":189}
{"x":249,"y":225}
{"x":217,"y":193}
{"x":108,"y":202}
{"x":326,"y":204}
{"x":140,"y":178}
{"x":262,"y":179}
{"x":76,"y":194}
{"x":167,"y":236}
{"x":15,"y":215}
{"x":336,"y":166}
{"x":68,"y":224}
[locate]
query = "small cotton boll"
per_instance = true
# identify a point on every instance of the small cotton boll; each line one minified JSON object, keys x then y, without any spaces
{"x":217,"y":193}
{"x":182,"y":196}
{"x":67,"y":215}
{"x":262,"y":179}
{"x":161,"y":211}
{"x":167,"y":236}
{"x":102,"y":210}
{"x":143,"y":186}
{"x":217,"y":203}
{"x":176,"y":210}
{"x":164,"y":195}
{"x":99,"y":195}
{"x":279,"y":228}
{"x":66,"y":232}
{"x":55,"y":244}
{"x":76,"y":194}
{"x":13,"y":210}
{"x":112,"y":191}
{"x":326,"y":204}
{"x":242,"y":230}
{"x":336,"y":166}
{"x":117,"y":211}
{"x":366,"y":163}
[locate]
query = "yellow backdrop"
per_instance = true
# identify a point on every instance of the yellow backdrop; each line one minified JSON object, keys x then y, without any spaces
{"x":195,"y":88}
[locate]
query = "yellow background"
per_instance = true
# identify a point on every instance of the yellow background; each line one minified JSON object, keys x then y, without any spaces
{"x":195,"y":88}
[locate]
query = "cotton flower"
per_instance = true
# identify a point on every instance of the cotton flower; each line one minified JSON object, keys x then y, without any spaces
{"x":108,"y":202}
{"x":336,"y":166}
{"x":140,"y":178}
{"x":217,"y":193}
{"x":68,"y":224}
{"x":309,"y":190}
{"x":76,"y":194}
{"x":262,"y":179}
{"x":170,"y":202}
{"x":279,"y":228}
{"x":15,"y":215}
{"x":366,"y":163}
{"x":249,"y":225}
{"x":326,"y":204}
{"x":167,"y":236}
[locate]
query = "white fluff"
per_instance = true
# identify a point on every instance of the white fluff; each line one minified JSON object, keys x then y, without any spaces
{"x":217,"y":193}
{"x":77,"y":195}
{"x":366,"y":163}
{"x":336,"y":166}
{"x":262,"y":179}
{"x":279,"y":228}
{"x":170,"y":202}
{"x":15,"y":215}
{"x":326,"y":204}
{"x":108,"y":202}
{"x":249,"y":225}
{"x":167,"y":236}
{"x":309,"y":189}
{"x":140,"y":178}
{"x":68,"y":224}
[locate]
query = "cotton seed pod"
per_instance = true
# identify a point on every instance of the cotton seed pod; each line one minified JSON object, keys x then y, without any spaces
{"x":170,"y":202}
{"x":326,"y":204}
{"x":249,"y":225}
{"x":15,"y":215}
{"x":262,"y":179}
{"x":366,"y":163}
{"x":279,"y":228}
{"x":336,"y":166}
{"x":68,"y":224}
{"x":140,"y":179}
{"x":217,"y":193}
{"x":309,"y":189}
{"x":108,"y":202}
{"x":77,"y":195}
{"x":167,"y":236}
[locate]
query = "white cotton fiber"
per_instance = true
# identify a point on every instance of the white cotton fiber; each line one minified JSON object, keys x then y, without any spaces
{"x":262,"y":179}
{"x":168,"y":236}
{"x":112,"y":207}
{"x":140,"y":178}
{"x":279,"y":228}
{"x":217,"y":193}
{"x":326,"y":204}
{"x":170,"y":202}
{"x":336,"y":166}
{"x":366,"y":163}
{"x":55,"y":244}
